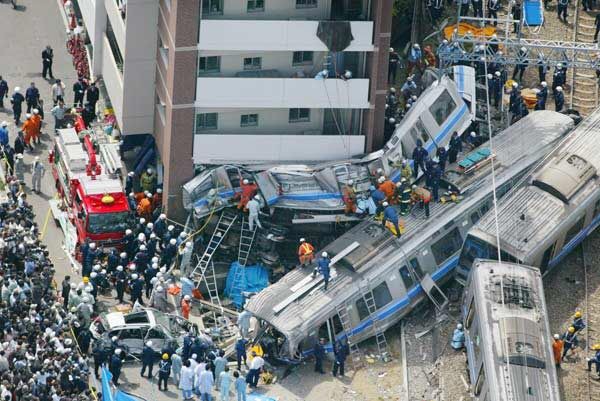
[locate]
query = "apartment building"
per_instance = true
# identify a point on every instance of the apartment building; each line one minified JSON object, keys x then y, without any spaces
{"x":236,"y":81}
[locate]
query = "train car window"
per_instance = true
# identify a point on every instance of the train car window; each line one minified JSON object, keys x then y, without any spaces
{"x":470,"y":315}
{"x":407,"y":279}
{"x":442,"y":107}
{"x":414,"y":262}
{"x":382,"y":295}
{"x":474,"y":218}
{"x":574,"y":230}
{"x":446,"y":246}
{"x":361,"y":307}
{"x":484,"y":209}
{"x":337,"y":325}
{"x":480,"y":382}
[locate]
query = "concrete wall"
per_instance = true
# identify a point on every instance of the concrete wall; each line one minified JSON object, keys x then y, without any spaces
{"x":113,"y":80}
{"x":274,"y":9}
{"x":280,"y":61}
{"x":94,"y":19}
{"x":276,"y":148}
{"x":270,"y":122}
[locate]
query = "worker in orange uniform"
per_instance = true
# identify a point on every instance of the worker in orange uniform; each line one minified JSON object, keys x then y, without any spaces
{"x":248,"y":190}
{"x":144,"y":208}
{"x":387,"y":187}
{"x":186,"y":306}
{"x":37,"y":124}
{"x":349,"y":197}
{"x":28,"y":129}
{"x":306,"y":252}
{"x":557,"y":349}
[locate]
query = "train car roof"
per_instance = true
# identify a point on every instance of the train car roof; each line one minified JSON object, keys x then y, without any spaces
{"x":296,"y":303}
{"x":527,"y":217}
{"x":511,"y":308}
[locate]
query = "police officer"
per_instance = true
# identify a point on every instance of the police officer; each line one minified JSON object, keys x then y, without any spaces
{"x":378,"y":197}
{"x":240,"y":351}
{"x":149,"y":274}
{"x":319,"y":356}
{"x":147,"y":359}
{"x":517,"y":13}
{"x":323,"y":267}
{"x":477,"y":8}
{"x":436,"y":175}
{"x":390,"y":214}
{"x":419,"y":155}
{"x":112,"y":261}
{"x":562,"y":9}
{"x":493,"y":8}
{"x":559,"y":98}
{"x":497,"y":88}
{"x":99,"y":354}
{"x":169,"y":252}
{"x":136,"y":284}
{"x":115,"y":366}
{"x":79,"y":88}
{"x":521,"y":64}
{"x":541,"y":97}
{"x":558,"y":77}
{"x":164,"y":371}
{"x":340,"y":352}
{"x":542,"y":67}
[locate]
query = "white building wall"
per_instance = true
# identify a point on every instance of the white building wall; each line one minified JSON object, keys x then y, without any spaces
{"x":270,"y":122}
{"x":274,"y":9}
{"x":232,"y":63}
{"x":113,"y":81}
{"x":117,"y":23}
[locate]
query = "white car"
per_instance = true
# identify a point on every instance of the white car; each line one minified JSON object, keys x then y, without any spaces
{"x":136,"y":328}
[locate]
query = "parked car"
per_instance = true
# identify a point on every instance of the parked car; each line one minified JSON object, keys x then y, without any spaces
{"x":136,"y":328}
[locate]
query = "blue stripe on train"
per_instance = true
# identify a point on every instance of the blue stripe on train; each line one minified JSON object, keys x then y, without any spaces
{"x":575,"y":241}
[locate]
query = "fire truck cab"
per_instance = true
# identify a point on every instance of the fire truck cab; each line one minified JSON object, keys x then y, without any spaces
{"x":95,"y":200}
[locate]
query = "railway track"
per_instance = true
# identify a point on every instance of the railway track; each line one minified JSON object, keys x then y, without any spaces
{"x":592,"y":317}
{"x":584,"y":85}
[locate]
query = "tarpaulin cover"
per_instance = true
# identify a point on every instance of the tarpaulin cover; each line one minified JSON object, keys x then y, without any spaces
{"x":259,"y":397}
{"x":106,"y":392}
{"x":254,"y":279}
{"x":336,"y":35}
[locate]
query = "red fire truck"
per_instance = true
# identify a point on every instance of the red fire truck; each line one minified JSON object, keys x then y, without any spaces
{"x":93,"y":199}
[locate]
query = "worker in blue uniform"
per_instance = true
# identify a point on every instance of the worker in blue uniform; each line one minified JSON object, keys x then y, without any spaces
{"x":578,"y":322}
{"x":378,"y":197}
{"x":436,"y":176}
{"x":455,"y":147}
{"x":497,"y":87}
{"x":323,"y":268}
{"x":147,"y":359}
{"x":115,"y":366}
{"x":442,"y":156}
{"x":559,"y":98}
{"x":319,"y":355}
{"x":419,"y":155}
{"x":570,"y":341}
{"x":390,"y":214}
{"x":595,"y":360}
{"x":458,"y":338}
{"x":136,"y":285}
{"x":541,"y":97}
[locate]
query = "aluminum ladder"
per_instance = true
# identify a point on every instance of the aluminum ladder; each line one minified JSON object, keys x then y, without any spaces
{"x":210,"y":281}
{"x":355,"y":353}
{"x":224,"y":224}
{"x":382,"y":345}
{"x":246,"y":241}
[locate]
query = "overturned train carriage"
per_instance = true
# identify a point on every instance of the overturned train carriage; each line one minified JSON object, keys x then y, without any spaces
{"x":368,"y":262}
{"x":444,"y":107}
{"x":507,"y":334}
{"x":541,"y":222}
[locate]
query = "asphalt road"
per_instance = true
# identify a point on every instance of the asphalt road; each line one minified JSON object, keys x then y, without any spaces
{"x":24,"y":33}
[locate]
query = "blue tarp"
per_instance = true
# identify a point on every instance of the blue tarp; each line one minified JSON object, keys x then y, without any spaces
{"x":106,"y":392}
{"x":259,"y":397}
{"x":254,"y":279}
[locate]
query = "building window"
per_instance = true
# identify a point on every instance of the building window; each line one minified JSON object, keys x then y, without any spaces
{"x":206,"y":121}
{"x":256,"y":5}
{"x":164,"y":51}
{"x":442,"y":107}
{"x":302,"y":58}
{"x":212,"y":7}
{"x":249,"y":120}
{"x":209,"y":64}
{"x":299,"y":115}
{"x":252,"y":63}
{"x":447,"y":246}
{"x":306,"y":3}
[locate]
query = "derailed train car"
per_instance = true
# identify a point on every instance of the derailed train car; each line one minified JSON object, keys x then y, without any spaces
{"x":444,"y":107}
{"x":507,"y":334}
{"x":541,"y":222}
{"x":368,"y":262}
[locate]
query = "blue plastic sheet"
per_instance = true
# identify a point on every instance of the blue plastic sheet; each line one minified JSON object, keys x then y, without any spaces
{"x":253,"y":279}
{"x":106,"y":391}
{"x":259,"y":397}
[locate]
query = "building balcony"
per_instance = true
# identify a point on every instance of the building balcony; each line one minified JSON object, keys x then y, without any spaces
{"x":282,"y":93}
{"x":116,"y":21}
{"x":260,"y":35}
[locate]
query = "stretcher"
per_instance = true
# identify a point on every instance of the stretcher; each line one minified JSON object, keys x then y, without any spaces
{"x":533,"y":12}
{"x":476,"y":160}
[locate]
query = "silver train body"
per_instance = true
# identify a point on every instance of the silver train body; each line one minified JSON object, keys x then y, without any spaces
{"x":508,"y":339}
{"x":444,"y":107}
{"x":399,"y":273}
{"x":541,"y":222}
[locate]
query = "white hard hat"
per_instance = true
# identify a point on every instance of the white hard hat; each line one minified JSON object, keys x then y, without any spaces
{"x":4,"y":124}
{"x":142,"y":220}
{"x":494,"y":36}
{"x":159,"y":288}
{"x":445,"y":41}
{"x":149,"y":170}
{"x":473,"y":134}
{"x":123,"y":254}
{"x":93,"y":275}
{"x":27,"y":115}
{"x":515,"y":84}
{"x":497,"y":73}
{"x":171,"y":227}
{"x":162,"y":216}
{"x":149,"y":343}
{"x":131,"y":174}
{"x":392,"y":120}
{"x":324,"y":254}
{"x":134,"y":276}
{"x":152,"y":236}
{"x":544,"y":84}
{"x":393,"y":90}
{"x":159,"y":190}
{"x":96,"y":267}
{"x":114,"y":338}
{"x":391,"y":49}
{"x":93,"y":245}
{"x":350,"y":182}
{"x":36,"y":111}
{"x":150,"y":225}
{"x":17,"y":89}
{"x":559,"y":65}
{"x":118,"y":351}
{"x":523,"y":49}
{"x":141,"y":236}
{"x":154,"y":259}
{"x":556,"y":337}
{"x":119,"y":268}
{"x":381,"y":179}
{"x":187,"y":297}
{"x":559,"y":88}
{"x":148,"y":195}
{"x":163,"y":269}
{"x":416,"y":46}
{"x":490,"y":76}
{"x":132,"y":267}
{"x":257,"y":197}
{"x":459,"y":326}
{"x":245,"y":181}
{"x":385,"y":204}
{"x":172,"y":241}
{"x":154,"y":265}
{"x":302,"y":240}
{"x":348,"y":74}
{"x":142,"y":247}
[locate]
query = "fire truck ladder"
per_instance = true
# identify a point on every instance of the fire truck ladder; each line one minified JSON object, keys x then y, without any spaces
{"x":382,"y":345}
{"x":225,"y":222}
{"x":246,"y":241}
{"x":355,"y":353}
